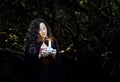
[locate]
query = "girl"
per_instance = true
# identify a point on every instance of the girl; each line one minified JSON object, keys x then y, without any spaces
{"x":42,"y":60}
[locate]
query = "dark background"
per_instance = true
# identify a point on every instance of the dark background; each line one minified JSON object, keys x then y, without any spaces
{"x":88,"y":33}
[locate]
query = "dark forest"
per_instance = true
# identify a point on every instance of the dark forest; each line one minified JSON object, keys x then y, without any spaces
{"x":88,"y":33}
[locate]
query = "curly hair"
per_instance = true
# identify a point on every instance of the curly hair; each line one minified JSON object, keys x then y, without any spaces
{"x":33,"y":31}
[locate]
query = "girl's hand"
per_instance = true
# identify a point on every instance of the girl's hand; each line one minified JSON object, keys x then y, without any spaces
{"x":53,"y":53}
{"x":45,"y":53}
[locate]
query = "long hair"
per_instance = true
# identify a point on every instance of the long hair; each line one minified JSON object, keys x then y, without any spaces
{"x":33,"y":31}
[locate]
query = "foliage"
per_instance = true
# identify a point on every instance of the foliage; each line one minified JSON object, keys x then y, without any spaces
{"x":85,"y":29}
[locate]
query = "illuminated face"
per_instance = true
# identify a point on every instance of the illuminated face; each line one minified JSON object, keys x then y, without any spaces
{"x":43,"y":30}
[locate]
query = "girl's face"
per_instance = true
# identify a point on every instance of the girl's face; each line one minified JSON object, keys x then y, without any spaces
{"x":43,"y":31}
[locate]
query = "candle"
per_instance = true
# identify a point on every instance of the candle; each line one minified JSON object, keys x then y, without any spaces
{"x":49,"y":49}
{"x":49,"y":44}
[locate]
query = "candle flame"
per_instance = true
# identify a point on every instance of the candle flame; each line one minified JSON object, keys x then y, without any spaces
{"x":49,"y":39}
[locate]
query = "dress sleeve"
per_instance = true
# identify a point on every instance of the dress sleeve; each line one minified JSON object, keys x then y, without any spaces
{"x":58,"y":55}
{"x":29,"y":61}
{"x":58,"y":63}
{"x":31,"y":54}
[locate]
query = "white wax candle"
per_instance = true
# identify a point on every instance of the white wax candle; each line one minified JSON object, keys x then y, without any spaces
{"x":49,"y":43}
{"x":49,"y":49}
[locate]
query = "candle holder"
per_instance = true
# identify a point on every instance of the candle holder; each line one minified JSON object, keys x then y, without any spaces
{"x":49,"y":49}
